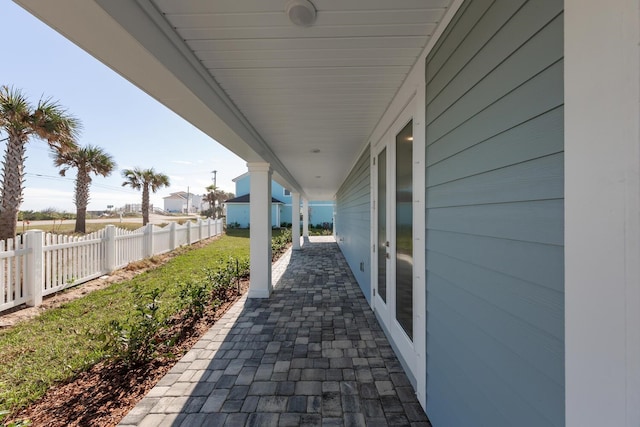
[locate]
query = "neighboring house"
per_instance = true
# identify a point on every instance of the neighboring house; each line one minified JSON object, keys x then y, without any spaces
{"x":134,"y":208}
{"x":182,"y":202}
{"x":320,"y":212}
{"x":238,"y":212}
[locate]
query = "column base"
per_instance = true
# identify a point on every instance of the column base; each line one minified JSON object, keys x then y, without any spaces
{"x":258,"y":293}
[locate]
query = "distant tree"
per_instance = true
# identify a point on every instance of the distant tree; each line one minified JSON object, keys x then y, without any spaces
{"x":87,"y":160}
{"x":145,"y":179}
{"x":21,"y":121}
{"x":214,"y":194}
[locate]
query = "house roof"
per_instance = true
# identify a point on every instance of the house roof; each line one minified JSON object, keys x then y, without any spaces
{"x":239,"y":177}
{"x":246,"y":198}
{"x":176,"y":196}
{"x":181,"y":195}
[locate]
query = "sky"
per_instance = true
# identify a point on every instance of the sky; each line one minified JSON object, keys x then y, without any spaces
{"x":127,"y":123}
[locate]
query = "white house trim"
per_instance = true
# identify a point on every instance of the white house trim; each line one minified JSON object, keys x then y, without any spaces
{"x":413,"y":88}
{"x":305,"y":217}
{"x":295,"y":220}
{"x":602,"y":213}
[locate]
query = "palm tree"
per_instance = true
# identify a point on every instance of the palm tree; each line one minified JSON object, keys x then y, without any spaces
{"x":87,"y":160}
{"x":214,"y":194}
{"x":21,"y":121}
{"x":145,"y":179}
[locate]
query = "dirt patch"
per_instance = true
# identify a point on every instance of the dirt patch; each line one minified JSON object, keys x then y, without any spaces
{"x":104,"y":394}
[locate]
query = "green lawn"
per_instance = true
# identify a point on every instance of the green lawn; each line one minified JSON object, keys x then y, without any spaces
{"x":61,"y":342}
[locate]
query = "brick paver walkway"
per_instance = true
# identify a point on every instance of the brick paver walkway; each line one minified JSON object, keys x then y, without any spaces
{"x":311,"y":355}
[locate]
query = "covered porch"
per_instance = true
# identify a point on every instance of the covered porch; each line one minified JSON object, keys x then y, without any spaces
{"x":484,"y":157}
{"x":312,"y":354}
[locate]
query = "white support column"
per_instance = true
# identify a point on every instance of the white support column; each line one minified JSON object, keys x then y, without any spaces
{"x":602,"y":212}
{"x":305,"y":218}
{"x":295,"y":220}
{"x":260,"y":234}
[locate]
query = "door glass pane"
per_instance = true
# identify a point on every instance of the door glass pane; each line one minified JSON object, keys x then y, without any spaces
{"x":404,"y":229}
{"x":382,"y":225}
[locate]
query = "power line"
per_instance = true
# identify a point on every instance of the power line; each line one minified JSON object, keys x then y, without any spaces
{"x":63,"y":178}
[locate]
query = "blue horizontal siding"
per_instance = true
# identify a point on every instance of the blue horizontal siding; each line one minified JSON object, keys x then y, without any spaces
{"x":495,"y":216}
{"x":353,"y":222}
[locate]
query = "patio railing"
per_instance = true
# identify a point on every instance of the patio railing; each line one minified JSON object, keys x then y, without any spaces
{"x":37,"y":264}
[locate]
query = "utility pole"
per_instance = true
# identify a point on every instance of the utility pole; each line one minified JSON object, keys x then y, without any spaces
{"x":215,"y":187}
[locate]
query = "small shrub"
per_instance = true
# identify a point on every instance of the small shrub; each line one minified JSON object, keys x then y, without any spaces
{"x":194,"y":296}
{"x":133,"y":342}
{"x":279,"y":243}
{"x":226,"y":275}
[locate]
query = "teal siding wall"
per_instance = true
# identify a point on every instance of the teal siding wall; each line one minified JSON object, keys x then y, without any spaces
{"x":495,"y":290}
{"x":353,"y":221}
{"x":243,"y":186}
{"x":240,"y":213}
{"x":320,"y":211}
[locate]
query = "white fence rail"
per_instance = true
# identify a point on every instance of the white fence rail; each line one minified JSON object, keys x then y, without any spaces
{"x":38,"y":264}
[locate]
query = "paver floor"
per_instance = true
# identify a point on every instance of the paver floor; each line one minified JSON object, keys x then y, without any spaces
{"x":312,"y":354}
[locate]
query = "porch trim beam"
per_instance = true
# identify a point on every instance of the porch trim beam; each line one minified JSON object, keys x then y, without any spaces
{"x":602,"y":213}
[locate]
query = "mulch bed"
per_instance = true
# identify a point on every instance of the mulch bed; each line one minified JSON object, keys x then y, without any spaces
{"x":104,"y":394}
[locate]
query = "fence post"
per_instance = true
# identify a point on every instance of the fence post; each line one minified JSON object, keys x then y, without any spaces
{"x":200,"y":229}
{"x":35,"y":269}
{"x":110,"y":248}
{"x":188,"y":232}
{"x":148,"y":241}
{"x":208,"y":227}
{"x":172,"y":236}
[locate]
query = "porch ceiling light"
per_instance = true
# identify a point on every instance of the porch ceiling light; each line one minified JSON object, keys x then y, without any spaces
{"x":315,"y":150}
{"x":301,"y":12}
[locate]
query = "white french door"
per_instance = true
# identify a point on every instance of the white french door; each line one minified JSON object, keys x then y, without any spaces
{"x":393,"y":230}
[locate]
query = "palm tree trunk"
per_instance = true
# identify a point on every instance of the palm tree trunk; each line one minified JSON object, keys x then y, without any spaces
{"x":81,"y":220}
{"x":82,"y":200}
{"x":12,"y":179}
{"x":145,"y":204}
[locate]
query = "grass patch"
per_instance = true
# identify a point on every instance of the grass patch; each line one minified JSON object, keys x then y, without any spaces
{"x":63,"y":341}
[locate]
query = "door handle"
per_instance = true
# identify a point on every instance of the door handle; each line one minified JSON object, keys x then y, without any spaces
{"x":387,"y":256}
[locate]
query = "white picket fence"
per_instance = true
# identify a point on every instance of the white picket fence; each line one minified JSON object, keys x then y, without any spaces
{"x":38,"y":264}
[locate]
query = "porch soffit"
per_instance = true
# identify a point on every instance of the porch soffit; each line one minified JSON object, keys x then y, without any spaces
{"x":262,"y":87}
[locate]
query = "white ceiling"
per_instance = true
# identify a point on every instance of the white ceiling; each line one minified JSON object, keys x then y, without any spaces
{"x":248,"y":77}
